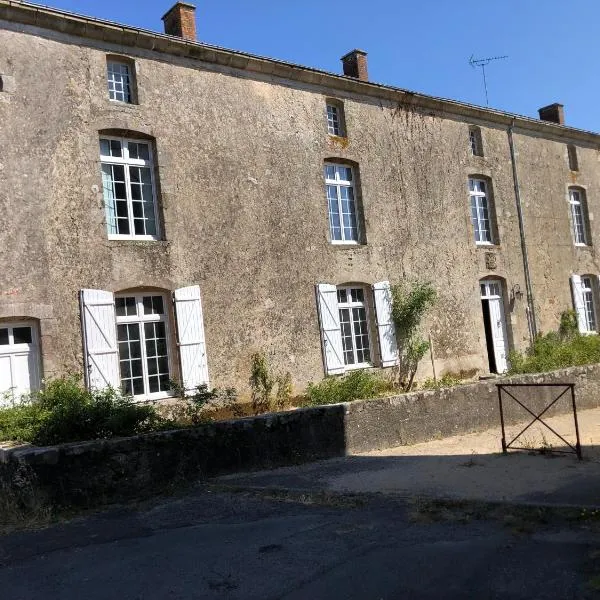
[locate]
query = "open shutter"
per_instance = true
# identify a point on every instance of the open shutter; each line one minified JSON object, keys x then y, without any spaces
{"x":578,"y":303}
{"x":100,"y":349}
{"x":190,"y":333}
{"x":331,"y":334}
{"x":388,"y":346}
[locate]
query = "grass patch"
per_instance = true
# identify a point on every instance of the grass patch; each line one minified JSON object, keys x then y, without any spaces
{"x":556,"y":350}
{"x":356,"y":385}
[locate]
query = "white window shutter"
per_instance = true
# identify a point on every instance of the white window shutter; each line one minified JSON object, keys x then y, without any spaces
{"x":331,"y":334}
{"x":388,"y":346}
{"x":190,"y":333}
{"x":578,"y":303}
{"x":100,"y":348}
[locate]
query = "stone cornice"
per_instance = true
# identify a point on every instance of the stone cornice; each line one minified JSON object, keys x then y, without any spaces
{"x":25,"y":13}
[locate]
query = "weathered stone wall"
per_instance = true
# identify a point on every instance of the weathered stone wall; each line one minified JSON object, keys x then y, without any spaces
{"x":106,"y":471}
{"x":240,"y":166}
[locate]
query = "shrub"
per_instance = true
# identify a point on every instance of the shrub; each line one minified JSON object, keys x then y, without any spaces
{"x":64,"y":411}
{"x":192,"y":408}
{"x":354,"y":386}
{"x":269,"y":391}
{"x":556,"y":351}
{"x":447,"y":380}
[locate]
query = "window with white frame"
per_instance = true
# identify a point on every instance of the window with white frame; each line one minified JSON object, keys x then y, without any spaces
{"x":583,"y":288}
{"x":475,"y":143}
{"x":119,"y":81}
{"x":341,"y":200}
{"x":19,"y":360}
{"x":355,"y":326}
{"x":142,"y":336}
{"x":579,"y":216}
{"x":129,"y":189}
{"x":481,"y":217}
{"x":335,"y":119}
{"x":347,"y":326}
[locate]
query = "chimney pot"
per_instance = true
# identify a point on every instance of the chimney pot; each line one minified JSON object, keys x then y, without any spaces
{"x":180,"y":21}
{"x":355,"y":65}
{"x":554,"y":113}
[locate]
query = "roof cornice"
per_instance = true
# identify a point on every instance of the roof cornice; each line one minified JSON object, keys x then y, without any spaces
{"x":25,"y":13}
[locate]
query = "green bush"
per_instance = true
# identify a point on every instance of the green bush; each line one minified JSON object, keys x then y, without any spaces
{"x":354,"y":386}
{"x":556,"y":350}
{"x":64,"y":411}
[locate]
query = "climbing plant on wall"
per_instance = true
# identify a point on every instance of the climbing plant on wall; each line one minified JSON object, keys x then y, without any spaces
{"x":410,"y":302}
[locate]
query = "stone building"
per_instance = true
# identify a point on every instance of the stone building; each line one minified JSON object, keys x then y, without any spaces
{"x":169,"y":208}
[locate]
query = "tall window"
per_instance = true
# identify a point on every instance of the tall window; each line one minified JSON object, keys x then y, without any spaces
{"x":354,"y":326}
{"x":129,"y":191}
{"x":335,"y":118}
{"x":572,"y":154}
{"x":587,"y":292}
{"x":480,"y":211}
{"x":579,"y":216}
{"x":119,"y":81}
{"x":142,"y":334}
{"x":475,"y":143}
{"x":341,"y":199}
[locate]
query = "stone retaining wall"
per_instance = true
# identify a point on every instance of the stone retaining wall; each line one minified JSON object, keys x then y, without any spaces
{"x":99,"y":472}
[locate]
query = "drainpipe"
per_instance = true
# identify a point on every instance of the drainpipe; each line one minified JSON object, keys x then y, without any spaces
{"x":530,"y":303}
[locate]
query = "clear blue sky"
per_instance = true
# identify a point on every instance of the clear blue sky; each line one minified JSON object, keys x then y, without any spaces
{"x":420,"y":45}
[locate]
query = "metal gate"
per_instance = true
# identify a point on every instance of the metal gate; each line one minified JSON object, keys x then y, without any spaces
{"x":562,"y":389}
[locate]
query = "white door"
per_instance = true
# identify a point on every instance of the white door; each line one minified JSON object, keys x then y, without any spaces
{"x":19,"y":361}
{"x":491,"y":291}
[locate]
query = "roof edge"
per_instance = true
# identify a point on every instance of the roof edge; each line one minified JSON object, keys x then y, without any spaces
{"x":26,"y":13}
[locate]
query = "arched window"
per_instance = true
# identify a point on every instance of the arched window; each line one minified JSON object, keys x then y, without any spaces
{"x":482,"y":211}
{"x":356,"y":322}
{"x":129,"y":187}
{"x":345,"y":218}
{"x":579,"y":217}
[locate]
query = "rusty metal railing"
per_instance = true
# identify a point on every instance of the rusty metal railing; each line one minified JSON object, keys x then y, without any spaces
{"x":563,"y":388}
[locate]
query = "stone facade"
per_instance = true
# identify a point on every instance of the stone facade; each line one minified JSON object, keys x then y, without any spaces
{"x":240,"y":143}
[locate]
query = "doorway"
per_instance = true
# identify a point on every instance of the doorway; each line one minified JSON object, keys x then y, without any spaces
{"x":494,"y":322}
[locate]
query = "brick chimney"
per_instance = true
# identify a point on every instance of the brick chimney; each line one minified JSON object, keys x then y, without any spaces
{"x":355,"y":65}
{"x":181,"y":21}
{"x":555,"y":113}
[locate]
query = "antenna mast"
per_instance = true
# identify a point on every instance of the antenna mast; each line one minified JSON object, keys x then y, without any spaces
{"x":483,"y":62}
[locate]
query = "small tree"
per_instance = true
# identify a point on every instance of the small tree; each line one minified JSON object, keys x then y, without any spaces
{"x":410,"y":302}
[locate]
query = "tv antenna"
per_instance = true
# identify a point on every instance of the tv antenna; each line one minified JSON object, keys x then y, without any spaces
{"x":483,"y":63}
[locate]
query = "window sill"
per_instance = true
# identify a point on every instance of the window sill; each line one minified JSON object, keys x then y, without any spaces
{"x":153,"y":397}
{"x":128,"y":238}
{"x":486,"y":245}
{"x":583,"y":246}
{"x":120,"y":104}
{"x":344,"y":244}
{"x":359,"y":366}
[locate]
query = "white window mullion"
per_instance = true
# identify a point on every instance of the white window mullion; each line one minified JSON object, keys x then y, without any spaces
{"x":338,"y":189}
{"x":353,"y":332}
{"x":139,"y":302}
{"x":129,"y":201}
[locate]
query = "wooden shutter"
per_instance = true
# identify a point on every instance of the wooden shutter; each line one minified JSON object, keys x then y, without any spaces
{"x":100,"y":349}
{"x":578,"y":303}
{"x":331,"y":334}
{"x":190,"y":333}
{"x":388,"y":346}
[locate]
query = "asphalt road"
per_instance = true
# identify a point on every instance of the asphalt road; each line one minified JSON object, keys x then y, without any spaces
{"x":246,"y":546}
